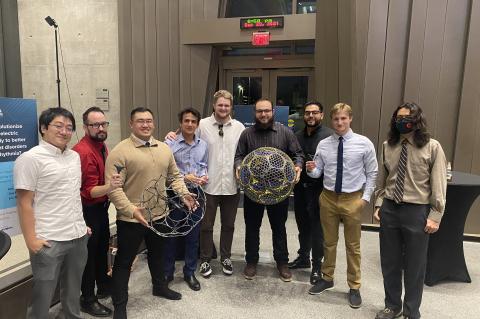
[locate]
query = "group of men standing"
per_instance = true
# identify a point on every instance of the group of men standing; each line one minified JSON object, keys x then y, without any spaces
{"x":63,"y":204}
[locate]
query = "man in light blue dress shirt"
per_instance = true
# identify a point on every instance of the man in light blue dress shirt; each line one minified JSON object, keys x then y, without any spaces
{"x":191,"y":156}
{"x":349,"y":165}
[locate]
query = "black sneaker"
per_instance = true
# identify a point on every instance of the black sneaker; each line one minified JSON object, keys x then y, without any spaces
{"x":299,"y":262}
{"x":320,"y":287}
{"x":205,"y":269}
{"x":354,"y":298}
{"x":315,"y":276}
{"x":388,"y":313}
{"x":227,"y":266}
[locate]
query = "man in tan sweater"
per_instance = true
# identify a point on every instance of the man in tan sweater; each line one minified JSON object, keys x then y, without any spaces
{"x":141,"y":159}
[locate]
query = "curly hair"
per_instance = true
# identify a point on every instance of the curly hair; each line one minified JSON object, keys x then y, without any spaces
{"x":420,"y":136}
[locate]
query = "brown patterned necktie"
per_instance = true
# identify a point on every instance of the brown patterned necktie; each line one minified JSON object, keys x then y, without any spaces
{"x":400,"y":181}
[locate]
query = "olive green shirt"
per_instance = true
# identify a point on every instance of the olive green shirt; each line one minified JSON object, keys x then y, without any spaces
{"x":142,"y":166}
{"x":425,"y":176}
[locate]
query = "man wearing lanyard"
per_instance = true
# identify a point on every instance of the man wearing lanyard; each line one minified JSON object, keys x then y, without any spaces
{"x":93,"y":152}
{"x":306,"y":195}
{"x":349,"y":165}
{"x":411,"y":198}
{"x":191,"y":156}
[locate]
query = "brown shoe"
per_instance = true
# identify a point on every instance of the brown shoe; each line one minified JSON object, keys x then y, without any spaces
{"x":284,"y":272}
{"x":250,"y":271}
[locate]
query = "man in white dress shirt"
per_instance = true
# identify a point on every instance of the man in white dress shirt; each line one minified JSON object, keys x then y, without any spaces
{"x":47,"y":181}
{"x":349,"y":165}
{"x":221,"y":133}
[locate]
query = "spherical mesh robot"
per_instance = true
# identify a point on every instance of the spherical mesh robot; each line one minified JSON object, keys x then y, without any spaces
{"x":267,"y":175}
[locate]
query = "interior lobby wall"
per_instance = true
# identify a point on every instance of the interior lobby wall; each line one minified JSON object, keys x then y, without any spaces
{"x":89,"y":43}
{"x":382,"y":53}
{"x":156,"y":69}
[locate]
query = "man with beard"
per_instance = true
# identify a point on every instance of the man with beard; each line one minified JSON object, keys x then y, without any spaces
{"x":265,"y":133}
{"x":93,"y":152}
{"x":306,"y":193}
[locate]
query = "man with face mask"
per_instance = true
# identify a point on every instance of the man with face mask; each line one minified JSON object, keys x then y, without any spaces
{"x":306,"y":194}
{"x":264,"y":133}
{"x":93,"y":152}
{"x":411,"y":196}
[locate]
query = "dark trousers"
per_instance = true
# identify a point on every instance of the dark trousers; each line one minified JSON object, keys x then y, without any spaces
{"x":129,"y":238}
{"x":277,"y":216}
{"x":403,"y":244}
{"x":191,"y":242}
{"x":96,"y":217}
{"x":307,"y":216}
{"x":228,"y":213}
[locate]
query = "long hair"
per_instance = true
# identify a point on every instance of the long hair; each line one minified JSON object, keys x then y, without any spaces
{"x":420,"y":136}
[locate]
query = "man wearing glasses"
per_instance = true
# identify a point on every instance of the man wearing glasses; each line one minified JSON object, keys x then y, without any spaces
{"x":306,"y":193}
{"x":141,"y":158}
{"x":47,"y":181}
{"x":267,"y":132}
{"x":93,"y":152}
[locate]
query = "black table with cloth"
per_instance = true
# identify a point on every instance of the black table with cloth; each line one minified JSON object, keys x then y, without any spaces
{"x":5,"y":243}
{"x":446,"y":260}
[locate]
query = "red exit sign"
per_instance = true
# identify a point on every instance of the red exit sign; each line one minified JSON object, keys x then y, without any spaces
{"x":261,"y":23}
{"x":260,"y":38}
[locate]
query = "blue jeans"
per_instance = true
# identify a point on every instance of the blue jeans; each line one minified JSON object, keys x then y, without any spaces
{"x":191,"y":245}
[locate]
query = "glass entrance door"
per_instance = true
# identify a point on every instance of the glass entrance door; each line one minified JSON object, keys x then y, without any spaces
{"x":285,"y":87}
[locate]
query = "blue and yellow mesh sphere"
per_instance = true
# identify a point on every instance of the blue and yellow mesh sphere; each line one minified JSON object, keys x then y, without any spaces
{"x":267,"y":175}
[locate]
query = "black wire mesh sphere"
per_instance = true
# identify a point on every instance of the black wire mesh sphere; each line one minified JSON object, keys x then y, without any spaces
{"x":267,"y":175}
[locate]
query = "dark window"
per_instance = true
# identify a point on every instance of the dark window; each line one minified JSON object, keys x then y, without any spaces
{"x":306,"y":6}
{"x":253,"y":8}
{"x":246,"y":90}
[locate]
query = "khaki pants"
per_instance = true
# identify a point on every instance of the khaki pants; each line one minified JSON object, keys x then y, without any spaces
{"x":345,"y":207}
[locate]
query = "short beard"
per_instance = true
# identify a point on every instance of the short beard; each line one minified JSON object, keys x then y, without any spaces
{"x":317,"y":123}
{"x":265,"y":126}
{"x":99,"y":139}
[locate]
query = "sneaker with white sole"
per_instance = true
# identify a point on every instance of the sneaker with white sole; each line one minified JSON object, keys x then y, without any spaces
{"x":227,"y":266}
{"x":205,"y":269}
{"x":388,"y":313}
{"x":320,"y":287}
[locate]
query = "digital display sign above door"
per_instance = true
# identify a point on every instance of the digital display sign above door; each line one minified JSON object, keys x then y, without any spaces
{"x":261,"y":23}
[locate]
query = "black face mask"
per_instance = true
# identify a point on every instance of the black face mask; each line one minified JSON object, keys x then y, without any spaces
{"x":405,"y":125}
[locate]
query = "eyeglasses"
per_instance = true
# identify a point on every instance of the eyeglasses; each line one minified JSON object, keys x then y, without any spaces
{"x":142,"y":121}
{"x":220,"y":130}
{"x":308,"y":113}
{"x":59,"y":127}
{"x":97,"y":125}
{"x":263,"y":111}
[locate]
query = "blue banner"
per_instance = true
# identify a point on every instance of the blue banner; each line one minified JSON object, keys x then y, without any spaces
{"x":18,"y":134}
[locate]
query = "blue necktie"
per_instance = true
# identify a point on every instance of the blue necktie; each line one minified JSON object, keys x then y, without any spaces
{"x":338,"y":179}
